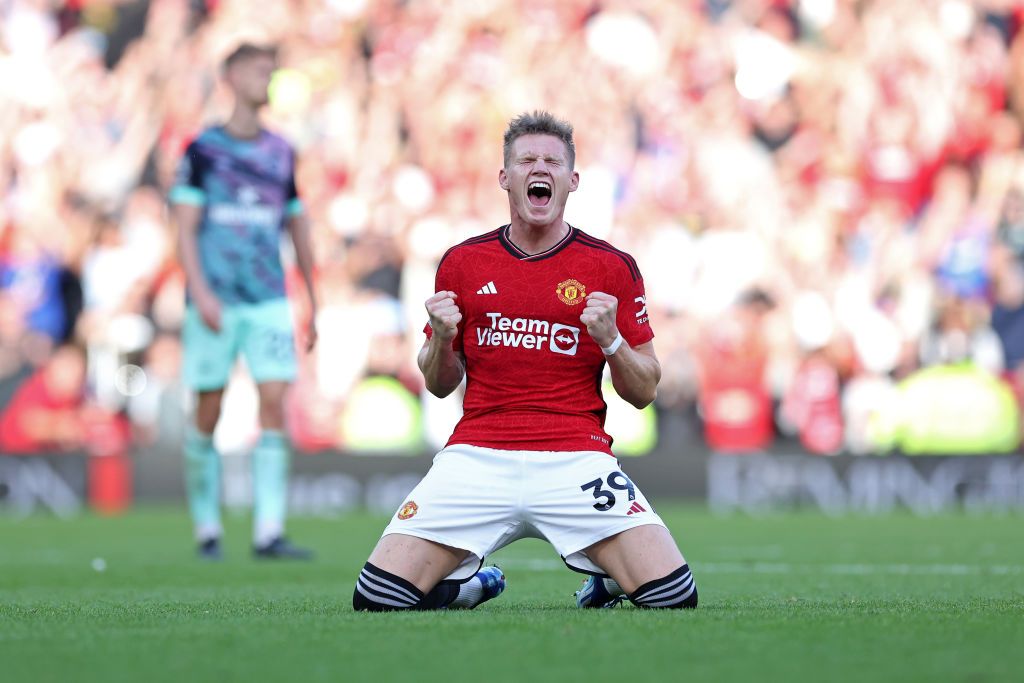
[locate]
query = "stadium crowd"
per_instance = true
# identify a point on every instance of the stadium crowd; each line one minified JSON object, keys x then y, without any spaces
{"x":826,"y":198}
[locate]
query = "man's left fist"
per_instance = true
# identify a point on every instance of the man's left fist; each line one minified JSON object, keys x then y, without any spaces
{"x":599,"y":317}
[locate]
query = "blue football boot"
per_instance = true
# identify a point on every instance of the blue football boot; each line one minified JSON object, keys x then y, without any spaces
{"x":486,"y":584}
{"x":492,"y":583}
{"x":599,"y":593}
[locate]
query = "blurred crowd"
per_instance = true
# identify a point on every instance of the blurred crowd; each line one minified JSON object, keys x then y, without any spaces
{"x":826,"y":199}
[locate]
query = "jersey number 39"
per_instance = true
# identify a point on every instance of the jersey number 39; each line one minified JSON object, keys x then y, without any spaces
{"x":605,"y":498}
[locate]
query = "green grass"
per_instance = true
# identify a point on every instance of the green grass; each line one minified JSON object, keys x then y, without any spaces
{"x":785,"y":597}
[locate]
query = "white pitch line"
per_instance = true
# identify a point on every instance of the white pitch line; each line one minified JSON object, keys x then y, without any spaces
{"x":548,"y":565}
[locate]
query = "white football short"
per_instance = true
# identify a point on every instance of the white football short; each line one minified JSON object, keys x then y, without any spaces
{"x":482,"y":499}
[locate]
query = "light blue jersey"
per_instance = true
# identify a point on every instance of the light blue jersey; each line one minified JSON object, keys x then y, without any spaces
{"x":247,"y":189}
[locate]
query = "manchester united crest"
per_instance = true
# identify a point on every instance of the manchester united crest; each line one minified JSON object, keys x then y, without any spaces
{"x":571,"y":292}
{"x":408,"y":510}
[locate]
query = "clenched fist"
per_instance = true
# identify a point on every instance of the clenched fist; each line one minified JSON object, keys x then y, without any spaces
{"x":445,"y":316}
{"x":599,"y":317}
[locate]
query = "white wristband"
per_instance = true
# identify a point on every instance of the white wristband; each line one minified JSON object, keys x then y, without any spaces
{"x":614,"y":346}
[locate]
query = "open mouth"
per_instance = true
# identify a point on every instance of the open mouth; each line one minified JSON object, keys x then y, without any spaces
{"x":539,"y":193}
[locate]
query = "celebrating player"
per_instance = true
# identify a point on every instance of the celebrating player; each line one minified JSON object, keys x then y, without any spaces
{"x":529,"y":314}
{"x":234,"y":194}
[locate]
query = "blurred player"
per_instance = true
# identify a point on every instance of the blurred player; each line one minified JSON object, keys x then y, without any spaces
{"x":234,"y":194}
{"x":529,"y":314}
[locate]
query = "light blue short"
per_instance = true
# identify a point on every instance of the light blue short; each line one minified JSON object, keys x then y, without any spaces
{"x":262,"y":332}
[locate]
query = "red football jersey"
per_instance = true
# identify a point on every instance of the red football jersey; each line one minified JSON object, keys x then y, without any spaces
{"x":533,"y":373}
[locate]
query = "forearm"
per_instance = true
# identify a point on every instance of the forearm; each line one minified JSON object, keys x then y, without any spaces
{"x":188,"y":254}
{"x":635,"y":370}
{"x":635,"y":375}
{"x":442,"y":368}
{"x":194,"y":278}
{"x":304,"y":254}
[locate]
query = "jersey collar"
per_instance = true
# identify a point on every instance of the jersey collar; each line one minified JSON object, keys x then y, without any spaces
{"x":510,"y":246}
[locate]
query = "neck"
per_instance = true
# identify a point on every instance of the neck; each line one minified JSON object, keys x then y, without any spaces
{"x":534,"y":239}
{"x":244,"y":122}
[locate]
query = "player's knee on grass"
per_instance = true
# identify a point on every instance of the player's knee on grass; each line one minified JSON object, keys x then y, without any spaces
{"x":381,"y":591}
{"x":675,"y":591}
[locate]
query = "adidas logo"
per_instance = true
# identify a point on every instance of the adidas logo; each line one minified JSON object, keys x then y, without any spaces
{"x":489,"y":288}
{"x":635,"y":507}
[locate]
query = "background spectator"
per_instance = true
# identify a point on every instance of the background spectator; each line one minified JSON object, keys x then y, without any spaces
{"x":856,"y":162}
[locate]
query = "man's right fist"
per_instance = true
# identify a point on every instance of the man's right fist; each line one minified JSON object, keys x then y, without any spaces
{"x":444,"y":315}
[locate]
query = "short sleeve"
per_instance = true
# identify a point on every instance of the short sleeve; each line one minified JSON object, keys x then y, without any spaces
{"x":633,"y":321}
{"x":445,"y":280}
{"x":188,"y":181}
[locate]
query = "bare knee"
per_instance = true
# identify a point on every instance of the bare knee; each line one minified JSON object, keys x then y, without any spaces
{"x":272,"y":395}
{"x":404,"y":572}
{"x":421,"y":562}
{"x":272,"y":417}
{"x":208,"y":410}
{"x":637,"y":556}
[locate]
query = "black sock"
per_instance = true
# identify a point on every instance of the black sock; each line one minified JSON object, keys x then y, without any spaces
{"x":442,"y":595}
{"x":381,"y":591}
{"x":677,"y":590}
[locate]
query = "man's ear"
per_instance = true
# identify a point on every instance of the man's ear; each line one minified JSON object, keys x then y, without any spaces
{"x":503,"y":179}
{"x":574,"y":181}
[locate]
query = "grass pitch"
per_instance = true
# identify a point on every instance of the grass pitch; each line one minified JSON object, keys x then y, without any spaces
{"x":785,"y":597}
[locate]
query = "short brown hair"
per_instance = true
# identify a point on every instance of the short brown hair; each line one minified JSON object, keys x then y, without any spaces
{"x":247,"y":50}
{"x":539,"y":123}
